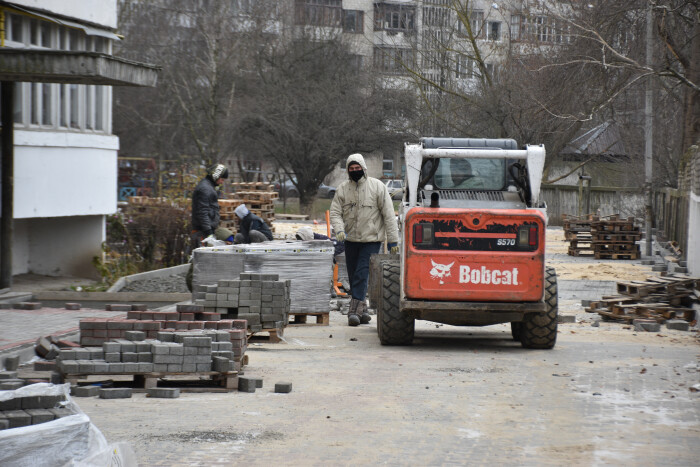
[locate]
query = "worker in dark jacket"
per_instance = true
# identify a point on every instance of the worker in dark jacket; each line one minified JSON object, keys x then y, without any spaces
{"x":252,"y":228}
{"x":205,"y":204}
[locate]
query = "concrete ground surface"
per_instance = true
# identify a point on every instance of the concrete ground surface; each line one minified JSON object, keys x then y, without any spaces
{"x":605,"y":395}
{"x":458,"y":396}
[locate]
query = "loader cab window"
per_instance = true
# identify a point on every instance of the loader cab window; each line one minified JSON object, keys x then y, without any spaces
{"x":471,"y":174}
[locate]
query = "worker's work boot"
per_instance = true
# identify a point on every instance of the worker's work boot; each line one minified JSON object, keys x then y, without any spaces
{"x":353,"y":317}
{"x":363,"y":312}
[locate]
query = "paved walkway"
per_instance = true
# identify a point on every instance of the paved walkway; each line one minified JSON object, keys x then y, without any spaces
{"x":19,"y":329}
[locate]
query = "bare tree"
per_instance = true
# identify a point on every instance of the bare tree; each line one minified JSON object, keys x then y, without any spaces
{"x":313,"y":106}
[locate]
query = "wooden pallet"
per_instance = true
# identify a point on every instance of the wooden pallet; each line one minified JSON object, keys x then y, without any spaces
{"x":581,"y":252}
{"x":143,"y":381}
{"x":322,"y":318}
{"x":630,"y":255}
{"x":274,"y":336}
{"x":252,"y":186}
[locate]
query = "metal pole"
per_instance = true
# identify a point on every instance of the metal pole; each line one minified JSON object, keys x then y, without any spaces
{"x":7,"y":91}
{"x":648,"y":134}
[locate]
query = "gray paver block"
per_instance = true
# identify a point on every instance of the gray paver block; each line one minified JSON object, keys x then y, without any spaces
{"x":115,"y":393}
{"x":11,"y":404}
{"x":8,"y":375}
{"x":4,"y":424}
{"x":145,"y":367}
{"x":246,"y":384}
{"x":61,"y":412}
{"x":646,"y":325}
{"x":11,"y":363}
{"x":130,"y":357}
{"x":85,"y":391}
{"x":72,"y":306}
{"x":566,"y":318}
{"x":131,"y":367}
{"x":40,"y":416}
{"x":164,"y":393}
{"x":18,"y":418}
{"x":110,"y":347}
{"x":113,"y":357}
{"x":221,"y":364}
{"x":677,"y":324}
{"x":135,"y":335}
{"x":202,"y":367}
{"x":283,"y":387}
{"x":11,"y":384}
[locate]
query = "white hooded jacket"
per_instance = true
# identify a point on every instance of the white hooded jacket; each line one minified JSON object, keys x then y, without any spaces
{"x":363,"y":209}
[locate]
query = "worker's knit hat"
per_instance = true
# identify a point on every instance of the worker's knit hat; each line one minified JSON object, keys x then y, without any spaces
{"x":241,"y":211}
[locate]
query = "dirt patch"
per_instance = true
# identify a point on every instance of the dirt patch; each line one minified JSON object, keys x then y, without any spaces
{"x":612,"y":271}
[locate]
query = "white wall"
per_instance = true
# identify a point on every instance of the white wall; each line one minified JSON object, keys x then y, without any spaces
{"x":100,"y":12}
{"x":64,"y":174}
{"x":693,"y":256}
{"x":20,"y":247}
{"x":64,"y":246}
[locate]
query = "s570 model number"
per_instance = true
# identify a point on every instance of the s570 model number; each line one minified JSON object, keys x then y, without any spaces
{"x":506,"y":242}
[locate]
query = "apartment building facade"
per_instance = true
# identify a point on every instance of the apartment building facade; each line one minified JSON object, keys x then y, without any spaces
{"x":65,"y":155}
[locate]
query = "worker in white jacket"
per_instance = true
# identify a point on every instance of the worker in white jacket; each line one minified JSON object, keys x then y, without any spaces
{"x":362,"y":215}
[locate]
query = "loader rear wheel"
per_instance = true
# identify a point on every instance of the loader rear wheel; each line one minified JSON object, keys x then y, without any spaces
{"x":393,"y":327}
{"x":539,"y":330}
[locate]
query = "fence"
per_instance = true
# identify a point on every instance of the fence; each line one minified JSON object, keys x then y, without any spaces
{"x":604,"y":201}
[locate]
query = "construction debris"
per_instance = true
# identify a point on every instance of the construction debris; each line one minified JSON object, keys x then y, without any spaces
{"x":657,"y":298}
{"x":603,"y":238}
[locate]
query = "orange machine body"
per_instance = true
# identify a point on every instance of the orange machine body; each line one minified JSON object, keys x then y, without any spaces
{"x":494,"y":255}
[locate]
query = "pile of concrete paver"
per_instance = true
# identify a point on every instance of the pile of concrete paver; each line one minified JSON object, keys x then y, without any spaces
{"x":32,"y":410}
{"x":261,"y":299}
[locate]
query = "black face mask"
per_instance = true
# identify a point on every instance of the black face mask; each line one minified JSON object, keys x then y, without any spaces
{"x":356,"y":175}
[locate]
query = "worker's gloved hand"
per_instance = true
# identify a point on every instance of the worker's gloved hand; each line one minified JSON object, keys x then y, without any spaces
{"x":340,"y":236}
{"x":209,"y":241}
{"x":393,"y":248}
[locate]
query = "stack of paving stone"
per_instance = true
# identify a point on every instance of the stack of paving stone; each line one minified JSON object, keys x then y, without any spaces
{"x":172,"y":352}
{"x":308,"y":265}
{"x":261,"y":299}
{"x":95,"y":331}
{"x":31,"y":410}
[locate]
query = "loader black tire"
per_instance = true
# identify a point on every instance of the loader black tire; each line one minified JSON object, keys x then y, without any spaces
{"x":393,"y":327}
{"x":539,"y":330}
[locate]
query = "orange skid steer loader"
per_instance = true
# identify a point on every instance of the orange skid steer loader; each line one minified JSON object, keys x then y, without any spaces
{"x":472,"y":243}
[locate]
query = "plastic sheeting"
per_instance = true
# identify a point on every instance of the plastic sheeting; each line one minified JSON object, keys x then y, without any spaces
{"x":64,"y":441}
{"x":309,"y":265}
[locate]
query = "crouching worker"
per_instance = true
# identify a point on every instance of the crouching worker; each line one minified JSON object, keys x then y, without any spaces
{"x":306,"y":233}
{"x":252,"y":228}
{"x":362,"y":214}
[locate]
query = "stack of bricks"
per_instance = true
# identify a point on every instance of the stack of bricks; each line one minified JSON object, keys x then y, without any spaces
{"x":31,"y":410}
{"x":95,"y":331}
{"x":172,"y":352}
{"x":261,"y":299}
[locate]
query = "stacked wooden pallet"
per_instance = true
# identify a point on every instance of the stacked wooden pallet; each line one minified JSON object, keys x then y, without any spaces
{"x":577,"y":230}
{"x":258,"y":197}
{"x":659,"y":298}
{"x":604,"y":238}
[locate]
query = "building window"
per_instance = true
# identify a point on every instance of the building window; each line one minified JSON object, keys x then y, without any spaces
{"x":36,"y":99}
{"x":493,"y":30}
{"x":45,"y":33}
{"x":392,"y":60}
{"x":464,"y":67}
{"x":16,"y":29}
{"x":318,"y":12}
{"x":515,"y":21}
{"x":46,"y":104}
{"x":74,"y":103}
{"x":436,"y":16}
{"x":353,"y":21}
{"x":390,"y":17}
{"x":388,"y":166}
{"x":477,"y":20}
{"x":19,"y":94}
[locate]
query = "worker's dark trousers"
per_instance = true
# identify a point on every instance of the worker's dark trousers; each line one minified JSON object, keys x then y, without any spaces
{"x":357,"y":258}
